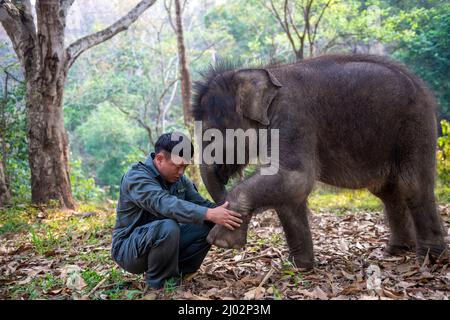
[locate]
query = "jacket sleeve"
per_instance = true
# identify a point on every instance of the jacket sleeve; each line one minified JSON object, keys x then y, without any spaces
{"x":194,"y":196}
{"x":148,"y":194}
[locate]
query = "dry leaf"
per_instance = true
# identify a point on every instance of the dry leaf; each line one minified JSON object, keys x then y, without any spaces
{"x":255,"y":294}
{"x":373,"y":281}
{"x":75,"y":282}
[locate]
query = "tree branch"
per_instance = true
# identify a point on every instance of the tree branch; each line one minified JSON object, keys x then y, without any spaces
{"x":81,"y":45}
{"x":18,"y":23}
{"x":137,"y":119}
{"x":319,"y":19}
{"x":65,"y":6}
{"x":168,"y":8}
{"x":166,"y":89}
{"x":13,"y":77}
{"x":288,"y":32}
{"x":283,"y":25}
{"x":299,"y":36}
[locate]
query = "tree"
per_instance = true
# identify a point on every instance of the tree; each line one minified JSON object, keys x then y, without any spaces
{"x":5,"y":192}
{"x":300,"y":31}
{"x":185,"y":77}
{"x":157,"y":70}
{"x":111,"y":143}
{"x":427,"y":52}
{"x":46,"y":62}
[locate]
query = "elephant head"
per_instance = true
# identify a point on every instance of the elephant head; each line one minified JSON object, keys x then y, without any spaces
{"x":232,"y":99}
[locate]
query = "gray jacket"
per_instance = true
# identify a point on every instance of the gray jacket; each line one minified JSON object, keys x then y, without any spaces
{"x":144,"y":197}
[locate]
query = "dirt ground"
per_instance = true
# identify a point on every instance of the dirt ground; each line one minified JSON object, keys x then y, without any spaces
{"x":348,"y":251}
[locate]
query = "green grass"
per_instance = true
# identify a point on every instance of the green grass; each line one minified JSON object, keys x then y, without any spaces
{"x":45,"y":241}
{"x":91,"y":277}
{"x":38,"y":288}
{"x":341,"y":200}
{"x":17,"y":218}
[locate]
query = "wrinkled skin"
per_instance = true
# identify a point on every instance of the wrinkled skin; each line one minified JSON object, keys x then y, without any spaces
{"x":348,"y":121}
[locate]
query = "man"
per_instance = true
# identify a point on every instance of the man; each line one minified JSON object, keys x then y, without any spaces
{"x":162,"y":221}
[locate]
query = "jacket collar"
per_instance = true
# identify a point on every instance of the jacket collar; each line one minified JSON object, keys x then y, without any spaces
{"x":149,"y":165}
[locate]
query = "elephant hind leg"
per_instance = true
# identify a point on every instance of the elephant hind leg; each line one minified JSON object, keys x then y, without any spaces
{"x":402,"y":234}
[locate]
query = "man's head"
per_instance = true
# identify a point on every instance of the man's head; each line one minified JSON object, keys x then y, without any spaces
{"x":173,"y":151}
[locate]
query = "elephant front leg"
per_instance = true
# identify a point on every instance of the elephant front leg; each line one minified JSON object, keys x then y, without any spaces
{"x":253,"y":193}
{"x":229,"y":239}
{"x":261,"y":191}
{"x":294,"y":219}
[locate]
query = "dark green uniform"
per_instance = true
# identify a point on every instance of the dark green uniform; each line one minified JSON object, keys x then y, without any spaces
{"x":160,"y":229}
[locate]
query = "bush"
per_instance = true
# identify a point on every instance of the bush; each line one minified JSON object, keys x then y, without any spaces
{"x":83,"y":187}
{"x":443,"y":163}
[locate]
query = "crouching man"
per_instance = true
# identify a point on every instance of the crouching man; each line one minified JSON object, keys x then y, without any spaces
{"x":162,"y":221}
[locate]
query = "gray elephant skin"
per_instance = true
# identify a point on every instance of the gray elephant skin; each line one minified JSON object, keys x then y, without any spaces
{"x":350,"y":121}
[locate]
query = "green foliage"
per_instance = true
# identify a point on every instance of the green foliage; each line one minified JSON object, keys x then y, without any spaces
{"x":16,"y":219}
{"x":83,"y":187}
{"x":427,"y":50}
{"x":112,"y":143}
{"x":17,"y":167}
{"x":43,"y":241}
{"x":443,"y":164}
{"x":245,"y":29}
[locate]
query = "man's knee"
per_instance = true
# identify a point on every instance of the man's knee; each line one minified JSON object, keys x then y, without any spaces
{"x":168,"y":232}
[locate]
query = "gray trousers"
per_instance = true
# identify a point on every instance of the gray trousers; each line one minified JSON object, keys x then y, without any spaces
{"x":163,"y":249}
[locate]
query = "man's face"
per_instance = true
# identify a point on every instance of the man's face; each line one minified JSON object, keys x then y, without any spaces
{"x":170,"y":167}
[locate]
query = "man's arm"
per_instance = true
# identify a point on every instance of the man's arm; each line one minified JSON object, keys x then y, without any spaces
{"x":148,"y":194}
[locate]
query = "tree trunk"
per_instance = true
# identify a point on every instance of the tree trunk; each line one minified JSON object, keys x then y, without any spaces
{"x":46,"y":62}
{"x":184,"y":70}
{"x":48,"y":144}
{"x":5,"y":194}
{"x":185,"y":79}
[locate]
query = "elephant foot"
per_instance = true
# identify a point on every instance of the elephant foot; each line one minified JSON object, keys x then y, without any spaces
{"x":393,"y":249}
{"x":436,"y":253}
{"x":224,"y":238}
{"x":302,"y":262}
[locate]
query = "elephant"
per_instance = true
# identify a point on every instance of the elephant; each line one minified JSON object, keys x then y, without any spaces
{"x":347,"y":120}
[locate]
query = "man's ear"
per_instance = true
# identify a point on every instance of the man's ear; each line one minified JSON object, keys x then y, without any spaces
{"x":256,"y":90}
{"x":160,"y":156}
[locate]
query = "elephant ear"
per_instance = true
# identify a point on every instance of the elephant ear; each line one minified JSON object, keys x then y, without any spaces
{"x":256,"y":90}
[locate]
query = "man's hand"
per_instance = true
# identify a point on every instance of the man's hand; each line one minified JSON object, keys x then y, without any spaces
{"x":223,"y":216}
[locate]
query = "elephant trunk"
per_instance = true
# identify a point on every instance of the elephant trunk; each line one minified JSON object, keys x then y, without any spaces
{"x":212,"y":182}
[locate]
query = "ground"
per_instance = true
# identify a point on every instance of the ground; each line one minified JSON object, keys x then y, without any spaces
{"x":51,"y":254}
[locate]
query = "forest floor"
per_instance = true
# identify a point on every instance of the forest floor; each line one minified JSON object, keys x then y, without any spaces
{"x":51,"y":254}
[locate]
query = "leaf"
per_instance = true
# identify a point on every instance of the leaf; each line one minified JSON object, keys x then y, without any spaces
{"x":75,"y":282}
{"x":316,"y":293}
{"x":373,"y":281}
{"x":319,"y":294}
{"x":255,"y":294}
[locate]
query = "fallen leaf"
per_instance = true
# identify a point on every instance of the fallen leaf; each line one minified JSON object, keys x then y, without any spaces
{"x":75,"y":282}
{"x":373,"y":281}
{"x":255,"y":294}
{"x":153,"y":296}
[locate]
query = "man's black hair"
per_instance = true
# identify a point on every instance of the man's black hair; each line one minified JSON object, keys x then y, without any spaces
{"x":169,"y":140}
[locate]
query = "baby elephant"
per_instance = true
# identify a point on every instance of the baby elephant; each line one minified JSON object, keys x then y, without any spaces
{"x":351,"y":121}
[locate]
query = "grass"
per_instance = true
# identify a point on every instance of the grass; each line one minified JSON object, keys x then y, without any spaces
{"x":293,"y":275}
{"x":325,"y":198}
